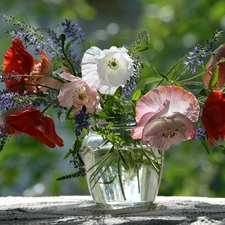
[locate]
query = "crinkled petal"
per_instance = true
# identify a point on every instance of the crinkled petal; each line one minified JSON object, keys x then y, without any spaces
{"x":100,"y":73}
{"x":17,"y":60}
{"x":89,"y":67}
{"x":34,"y":123}
{"x":180,"y":101}
{"x":77,"y":93}
{"x":213,"y":116}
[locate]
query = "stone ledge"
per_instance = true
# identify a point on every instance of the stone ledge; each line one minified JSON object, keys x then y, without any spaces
{"x":82,"y":210}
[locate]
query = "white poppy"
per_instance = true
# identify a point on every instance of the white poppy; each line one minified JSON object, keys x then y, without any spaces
{"x":106,"y":70}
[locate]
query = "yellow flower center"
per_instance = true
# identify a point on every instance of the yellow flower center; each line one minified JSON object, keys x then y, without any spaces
{"x":170,"y":133}
{"x":113,"y":64}
{"x":80,"y":96}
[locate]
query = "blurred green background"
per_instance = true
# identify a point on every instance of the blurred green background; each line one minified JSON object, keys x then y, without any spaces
{"x":28,"y":168}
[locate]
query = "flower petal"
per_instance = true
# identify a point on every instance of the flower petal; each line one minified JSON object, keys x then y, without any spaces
{"x":106,"y":70}
{"x":213,"y":116}
{"x":136,"y":132}
{"x":34,"y":123}
{"x":161,"y":133}
{"x":210,"y":67}
{"x":79,"y":94}
{"x":165,"y":116}
{"x":17,"y":60}
{"x":180,"y":101}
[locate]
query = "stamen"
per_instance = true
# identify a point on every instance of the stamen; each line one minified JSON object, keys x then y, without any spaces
{"x":170,"y":133}
{"x":80,"y":96}
{"x":113,"y":64}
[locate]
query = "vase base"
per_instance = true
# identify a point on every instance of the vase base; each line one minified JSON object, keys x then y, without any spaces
{"x":121,"y":205}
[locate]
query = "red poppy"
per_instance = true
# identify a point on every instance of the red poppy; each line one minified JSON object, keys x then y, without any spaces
{"x":210,"y":67}
{"x":32,"y":122}
{"x":19,"y":61}
{"x":213,"y":118}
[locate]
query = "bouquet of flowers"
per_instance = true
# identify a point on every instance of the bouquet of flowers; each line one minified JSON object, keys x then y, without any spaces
{"x":90,"y":87}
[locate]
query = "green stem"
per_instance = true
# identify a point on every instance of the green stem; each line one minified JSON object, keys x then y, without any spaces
{"x":67,"y":59}
{"x":139,"y":187}
{"x":155,"y":164}
{"x":97,"y":171}
{"x":120,"y":178}
{"x":171,"y":69}
{"x":192,"y":77}
{"x":55,"y":100}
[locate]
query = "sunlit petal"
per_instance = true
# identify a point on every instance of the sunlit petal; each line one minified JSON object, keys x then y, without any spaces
{"x":165,"y":116}
{"x":213,"y":116}
{"x":106,"y":70}
{"x":34,"y":123}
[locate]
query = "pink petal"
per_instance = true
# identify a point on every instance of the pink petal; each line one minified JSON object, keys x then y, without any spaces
{"x":181,"y":127}
{"x":180,"y":101}
{"x":65,"y":97}
{"x":67,"y":76}
{"x":136,"y":132}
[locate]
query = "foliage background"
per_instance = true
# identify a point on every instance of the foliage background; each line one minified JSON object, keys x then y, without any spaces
{"x":175,"y":26}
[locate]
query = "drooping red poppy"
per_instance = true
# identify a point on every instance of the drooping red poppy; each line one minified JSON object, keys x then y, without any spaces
{"x":17,"y":60}
{"x":213,"y":116}
{"x":31,"y":121}
{"x":210,"y":67}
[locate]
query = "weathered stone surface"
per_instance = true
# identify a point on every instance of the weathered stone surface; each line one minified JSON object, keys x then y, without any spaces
{"x":82,"y":210}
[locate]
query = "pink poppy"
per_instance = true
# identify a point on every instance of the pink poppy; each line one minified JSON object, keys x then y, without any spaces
{"x":77,"y":93}
{"x":165,"y":116}
{"x":210,"y":67}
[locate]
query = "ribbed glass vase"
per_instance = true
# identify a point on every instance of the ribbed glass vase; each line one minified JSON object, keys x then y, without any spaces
{"x":124,"y":176}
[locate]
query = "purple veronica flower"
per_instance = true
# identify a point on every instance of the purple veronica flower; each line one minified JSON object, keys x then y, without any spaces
{"x":82,"y":119}
{"x":195,"y":58}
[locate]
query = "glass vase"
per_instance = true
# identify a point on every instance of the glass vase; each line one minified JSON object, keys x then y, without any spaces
{"x":121,"y":175}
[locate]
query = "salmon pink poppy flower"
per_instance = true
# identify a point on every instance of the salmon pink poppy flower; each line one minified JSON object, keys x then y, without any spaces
{"x":165,"y":116}
{"x":32,"y":71}
{"x":77,"y":93}
{"x":213,"y":116}
{"x":210,"y":67}
{"x":29,"y":120}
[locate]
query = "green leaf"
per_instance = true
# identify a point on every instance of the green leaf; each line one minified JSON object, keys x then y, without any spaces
{"x":161,"y":74}
{"x":67,"y":154}
{"x":173,"y":75}
{"x":206,"y":145}
{"x":118,"y":92}
{"x":177,"y":83}
{"x":142,"y":42}
{"x":136,"y":95}
{"x":86,"y":131}
{"x":214,"y":78}
{"x":203,"y":92}
{"x":102,"y":115}
{"x":67,"y":47}
{"x":110,"y":125}
{"x":77,"y":145}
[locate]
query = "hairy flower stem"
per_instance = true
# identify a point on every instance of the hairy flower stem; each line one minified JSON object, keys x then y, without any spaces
{"x":63,"y":38}
{"x":55,"y":100}
{"x":171,"y":69}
